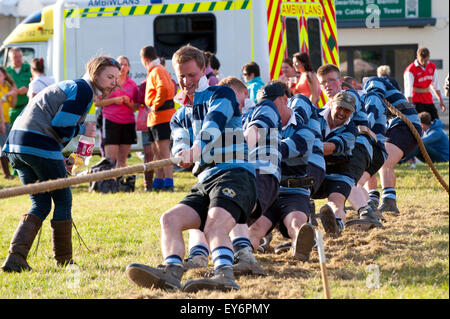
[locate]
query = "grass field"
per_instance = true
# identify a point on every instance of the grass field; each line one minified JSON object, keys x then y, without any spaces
{"x":411,"y":252}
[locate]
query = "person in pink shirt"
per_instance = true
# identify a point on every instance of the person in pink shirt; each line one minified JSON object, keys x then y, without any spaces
{"x":119,"y":127}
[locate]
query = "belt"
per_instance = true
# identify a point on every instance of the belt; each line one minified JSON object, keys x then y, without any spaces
{"x":421,"y":90}
{"x":298,"y":181}
{"x":404,"y":106}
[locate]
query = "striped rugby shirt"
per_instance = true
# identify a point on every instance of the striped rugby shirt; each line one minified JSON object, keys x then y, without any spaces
{"x":265,"y":154}
{"x":343,"y":137}
{"x":214,"y":123}
{"x":376,"y":116}
{"x":308,"y":115}
{"x":387,"y":91}
{"x":297,"y":142}
{"x":51,"y":119}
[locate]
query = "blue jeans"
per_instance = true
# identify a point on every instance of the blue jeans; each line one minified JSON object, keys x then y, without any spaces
{"x":435,"y":155}
{"x":33,"y":168}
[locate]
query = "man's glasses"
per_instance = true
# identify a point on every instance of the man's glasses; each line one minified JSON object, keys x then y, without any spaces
{"x":323,"y":83}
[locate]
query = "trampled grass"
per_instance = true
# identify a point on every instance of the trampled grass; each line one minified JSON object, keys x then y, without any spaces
{"x":411,"y":252}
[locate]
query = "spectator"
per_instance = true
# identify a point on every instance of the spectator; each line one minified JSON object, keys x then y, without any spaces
{"x":288,"y":73}
{"x":34,"y":148}
{"x":211,"y":59}
{"x":118,"y":127}
{"x":146,"y":143}
{"x":39,"y":80}
{"x":251,"y":76}
{"x":159,"y":98}
{"x":384,"y":71}
{"x":420,"y":79}
{"x":434,"y":138}
{"x":307,"y":84}
{"x":175,"y":85}
{"x":8,"y":98}
{"x":21,"y":74}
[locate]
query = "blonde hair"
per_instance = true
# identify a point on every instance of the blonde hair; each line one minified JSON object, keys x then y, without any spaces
{"x":233,"y":82}
{"x":383,"y":70}
{"x":96,"y":65}
{"x":188,"y":53}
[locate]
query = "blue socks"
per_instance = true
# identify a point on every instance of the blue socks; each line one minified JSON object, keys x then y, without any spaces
{"x":389,"y":192}
{"x":199,"y":250}
{"x":158,"y":183}
{"x":173,"y":259}
{"x":222,"y":257}
{"x":241,"y":243}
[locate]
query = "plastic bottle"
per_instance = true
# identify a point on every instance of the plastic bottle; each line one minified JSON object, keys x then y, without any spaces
{"x":81,"y":158}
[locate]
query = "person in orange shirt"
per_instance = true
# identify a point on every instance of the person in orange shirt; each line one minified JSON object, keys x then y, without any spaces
{"x":159,"y":95}
{"x":307,"y":84}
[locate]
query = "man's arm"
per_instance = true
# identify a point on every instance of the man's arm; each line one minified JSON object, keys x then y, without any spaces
{"x":437,"y":91}
{"x":408,"y":78}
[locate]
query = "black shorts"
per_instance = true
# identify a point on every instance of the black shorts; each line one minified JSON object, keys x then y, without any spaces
{"x":318,"y":173}
{"x":159,"y":132}
{"x":328,"y":187}
{"x":286,"y":204}
{"x":359,"y":162}
{"x":117,"y":134}
{"x":400,"y":135}
{"x":267,"y":187}
{"x":233,"y":190}
{"x":377,"y":161}
{"x":430,"y":108}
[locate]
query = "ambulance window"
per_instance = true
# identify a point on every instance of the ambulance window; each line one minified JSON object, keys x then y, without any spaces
{"x":28,"y":55}
{"x":314,"y":42}
{"x":173,"y":31}
{"x":292,"y":36}
{"x":33,"y":18}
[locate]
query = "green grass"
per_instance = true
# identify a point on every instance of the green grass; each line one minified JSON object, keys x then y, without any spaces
{"x":411,"y":252}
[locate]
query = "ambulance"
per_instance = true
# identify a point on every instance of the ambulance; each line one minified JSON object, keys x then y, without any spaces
{"x":69,"y":33}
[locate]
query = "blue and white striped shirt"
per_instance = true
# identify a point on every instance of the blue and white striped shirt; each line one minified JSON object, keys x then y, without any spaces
{"x":214,"y":123}
{"x":265,"y":154}
{"x":387,"y":91}
{"x":51,"y":119}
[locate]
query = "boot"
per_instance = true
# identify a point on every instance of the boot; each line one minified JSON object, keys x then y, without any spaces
{"x":246,"y":264}
{"x":148,"y":181}
{"x":223,"y":280}
{"x":62,"y":242}
{"x":21,"y":244}
{"x":166,"y":277}
{"x":264,"y":244}
{"x":303,"y":243}
{"x":328,"y":220}
{"x":389,"y":205}
{"x":195,"y":261}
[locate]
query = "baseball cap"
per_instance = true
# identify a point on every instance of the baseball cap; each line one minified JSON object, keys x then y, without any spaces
{"x":271,"y":91}
{"x":345,"y":100}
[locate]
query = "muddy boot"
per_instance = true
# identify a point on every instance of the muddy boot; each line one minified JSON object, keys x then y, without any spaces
{"x":195,"y":261}
{"x":21,"y":244}
{"x":389,"y":205}
{"x":62,"y":242}
{"x":167,"y":277}
{"x":303,"y":243}
{"x":246,"y":264}
{"x":222,"y":280}
{"x":328,"y":220}
{"x":148,"y":181}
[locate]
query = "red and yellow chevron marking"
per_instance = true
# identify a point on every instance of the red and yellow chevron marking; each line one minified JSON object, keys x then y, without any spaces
{"x":278,"y":9}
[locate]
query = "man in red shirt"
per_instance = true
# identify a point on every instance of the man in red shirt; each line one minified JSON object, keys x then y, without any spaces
{"x":420,"y":79}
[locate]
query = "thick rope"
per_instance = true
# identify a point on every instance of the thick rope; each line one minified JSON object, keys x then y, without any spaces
{"x":419,"y":141}
{"x":51,"y":185}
